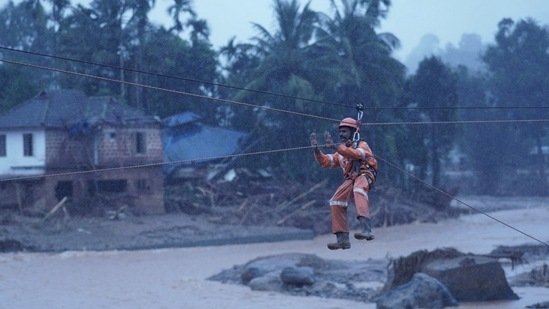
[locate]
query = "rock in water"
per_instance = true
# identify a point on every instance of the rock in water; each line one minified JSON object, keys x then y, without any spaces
{"x":472,"y":278}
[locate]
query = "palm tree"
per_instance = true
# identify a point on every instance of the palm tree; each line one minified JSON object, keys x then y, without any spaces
{"x":200,"y":29}
{"x":284,"y":53}
{"x":175,"y":10}
{"x":285,"y":66}
{"x":363,"y":67}
{"x":363,"y":56}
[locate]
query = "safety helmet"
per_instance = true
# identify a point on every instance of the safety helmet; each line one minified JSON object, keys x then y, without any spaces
{"x":348,"y":122}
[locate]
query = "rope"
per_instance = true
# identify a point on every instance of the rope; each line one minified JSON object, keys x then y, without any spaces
{"x":454,"y":122}
{"x":461,"y":202}
{"x":259,"y":106}
{"x":175,"y":77}
{"x":268,"y":92}
{"x":188,"y":161}
{"x":268,"y":151}
{"x":167,"y":90}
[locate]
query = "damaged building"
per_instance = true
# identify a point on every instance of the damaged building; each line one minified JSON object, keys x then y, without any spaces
{"x":194,"y":149}
{"x":63,"y":144}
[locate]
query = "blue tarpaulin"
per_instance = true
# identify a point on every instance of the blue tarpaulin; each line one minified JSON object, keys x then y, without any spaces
{"x":187,"y":141}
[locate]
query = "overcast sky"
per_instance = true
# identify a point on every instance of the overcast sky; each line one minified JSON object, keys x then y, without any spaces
{"x":409,"y":20}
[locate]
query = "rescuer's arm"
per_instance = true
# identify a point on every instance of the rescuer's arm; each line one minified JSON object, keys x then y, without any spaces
{"x":325,"y":160}
{"x":362,"y":152}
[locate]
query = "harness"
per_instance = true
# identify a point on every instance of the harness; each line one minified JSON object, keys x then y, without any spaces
{"x":361,"y":167}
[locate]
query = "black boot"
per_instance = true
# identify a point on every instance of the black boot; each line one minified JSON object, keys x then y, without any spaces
{"x":342,"y":241}
{"x":366,"y":229}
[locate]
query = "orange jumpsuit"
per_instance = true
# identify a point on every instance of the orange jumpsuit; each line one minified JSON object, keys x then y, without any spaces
{"x":358,"y":181}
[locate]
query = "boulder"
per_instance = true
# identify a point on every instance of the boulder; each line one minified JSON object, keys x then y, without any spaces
{"x":250,"y":273}
{"x":298,"y":276}
{"x":309,"y":275}
{"x":422,"y":291}
{"x":268,"y":282}
{"x":472,"y":278}
{"x":468,"y":277}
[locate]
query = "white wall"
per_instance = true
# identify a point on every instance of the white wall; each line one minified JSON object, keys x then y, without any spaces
{"x":14,"y":163}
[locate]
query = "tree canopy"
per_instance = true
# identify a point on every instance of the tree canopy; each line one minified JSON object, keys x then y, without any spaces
{"x":310,"y":64}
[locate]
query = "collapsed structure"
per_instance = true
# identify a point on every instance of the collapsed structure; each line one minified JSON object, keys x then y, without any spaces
{"x":51,"y":144}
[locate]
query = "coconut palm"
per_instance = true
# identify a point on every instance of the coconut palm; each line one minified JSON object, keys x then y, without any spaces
{"x":363,"y":56}
{"x":363,"y":67}
{"x":175,"y":10}
{"x":285,"y":67}
{"x":284,"y":52}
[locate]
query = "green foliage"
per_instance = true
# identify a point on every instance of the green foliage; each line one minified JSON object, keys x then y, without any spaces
{"x":434,"y":88}
{"x":169,"y":54}
{"x":17,"y":86}
{"x":518,"y":64}
{"x":313,"y":62}
{"x":118,"y":41}
{"x":484,"y":144}
{"x":339,"y":59}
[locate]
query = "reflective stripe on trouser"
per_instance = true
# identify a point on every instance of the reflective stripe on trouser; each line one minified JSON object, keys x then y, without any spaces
{"x":339,"y":201}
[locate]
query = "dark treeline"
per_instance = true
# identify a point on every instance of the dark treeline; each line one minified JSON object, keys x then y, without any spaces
{"x":318,"y":64}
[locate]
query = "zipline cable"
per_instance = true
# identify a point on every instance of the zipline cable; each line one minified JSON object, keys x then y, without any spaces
{"x":265,"y":152}
{"x":167,"y":90}
{"x":188,"y":161}
{"x":259,"y":106}
{"x":269,"y":92}
{"x":454,"y":122}
{"x":460,"y":201}
{"x":176,"y":77}
{"x":194,"y":161}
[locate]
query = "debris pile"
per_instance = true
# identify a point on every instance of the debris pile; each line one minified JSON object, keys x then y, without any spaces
{"x":249,"y":198}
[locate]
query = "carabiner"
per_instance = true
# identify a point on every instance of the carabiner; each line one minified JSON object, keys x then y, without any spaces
{"x":356,"y":139}
{"x":356,"y":135}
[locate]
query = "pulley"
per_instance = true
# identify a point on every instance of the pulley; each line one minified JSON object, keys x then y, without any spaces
{"x":360,"y":113}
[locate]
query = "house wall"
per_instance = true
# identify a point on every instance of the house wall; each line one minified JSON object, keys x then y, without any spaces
{"x":118,"y":145}
{"x":110,"y":147}
{"x":69,"y":160}
{"x":14,"y":163}
{"x":62,"y":151}
{"x":143,"y":194}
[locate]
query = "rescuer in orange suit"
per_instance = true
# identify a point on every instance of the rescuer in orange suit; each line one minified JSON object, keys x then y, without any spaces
{"x":359,"y":170}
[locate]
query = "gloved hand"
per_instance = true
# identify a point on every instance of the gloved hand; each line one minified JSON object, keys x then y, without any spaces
{"x":328,"y":140}
{"x":312,"y":139}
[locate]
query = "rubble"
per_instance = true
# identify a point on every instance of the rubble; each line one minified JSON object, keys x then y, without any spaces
{"x":258,"y":198}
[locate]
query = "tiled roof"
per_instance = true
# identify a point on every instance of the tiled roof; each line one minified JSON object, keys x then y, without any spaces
{"x":61,"y":108}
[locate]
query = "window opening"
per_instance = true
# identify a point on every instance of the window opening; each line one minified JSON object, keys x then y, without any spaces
{"x":2,"y":145}
{"x":28,"y":150}
{"x":139,"y":142}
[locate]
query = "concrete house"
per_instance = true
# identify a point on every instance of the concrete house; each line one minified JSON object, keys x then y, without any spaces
{"x":62,"y":144}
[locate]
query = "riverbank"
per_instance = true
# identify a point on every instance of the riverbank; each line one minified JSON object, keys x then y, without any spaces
{"x":177,"y":277}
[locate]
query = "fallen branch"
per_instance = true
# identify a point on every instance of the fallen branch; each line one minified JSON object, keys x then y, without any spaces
{"x":283,"y":206}
{"x":291,"y":214}
{"x":55,"y":208}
